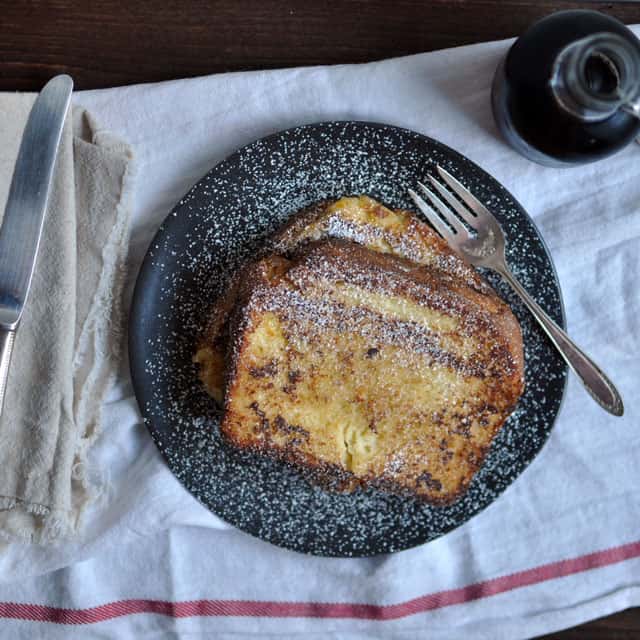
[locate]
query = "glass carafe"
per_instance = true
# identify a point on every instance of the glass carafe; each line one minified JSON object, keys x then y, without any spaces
{"x":568,"y":90}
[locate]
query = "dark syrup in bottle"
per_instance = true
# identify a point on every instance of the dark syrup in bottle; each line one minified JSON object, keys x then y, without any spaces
{"x":568,"y":90}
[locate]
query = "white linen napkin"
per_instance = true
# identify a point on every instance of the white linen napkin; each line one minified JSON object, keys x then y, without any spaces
{"x":560,"y":546}
{"x":68,"y":342}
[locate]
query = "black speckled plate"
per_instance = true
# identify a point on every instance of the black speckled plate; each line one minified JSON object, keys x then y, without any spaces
{"x":219,"y":223}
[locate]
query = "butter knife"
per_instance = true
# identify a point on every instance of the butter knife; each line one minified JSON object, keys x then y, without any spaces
{"x":25,"y":211}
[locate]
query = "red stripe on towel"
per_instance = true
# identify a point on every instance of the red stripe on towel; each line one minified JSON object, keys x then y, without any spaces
{"x":272,"y":609}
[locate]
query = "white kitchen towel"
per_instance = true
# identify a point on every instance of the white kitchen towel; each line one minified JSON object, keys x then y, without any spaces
{"x":70,"y":336}
{"x":560,"y":546}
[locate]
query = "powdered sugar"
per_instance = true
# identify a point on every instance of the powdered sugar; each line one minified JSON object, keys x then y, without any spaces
{"x":221,"y":222}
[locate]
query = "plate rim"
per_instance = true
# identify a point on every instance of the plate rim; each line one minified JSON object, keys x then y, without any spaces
{"x":133,"y":325}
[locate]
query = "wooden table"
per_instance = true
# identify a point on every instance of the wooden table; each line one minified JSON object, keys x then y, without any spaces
{"x":105,"y":43}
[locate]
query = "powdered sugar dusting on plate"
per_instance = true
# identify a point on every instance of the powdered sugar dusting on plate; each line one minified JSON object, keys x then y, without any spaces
{"x":222,"y":221}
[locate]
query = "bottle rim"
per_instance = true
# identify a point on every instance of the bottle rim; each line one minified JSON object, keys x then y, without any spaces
{"x":572,"y":83}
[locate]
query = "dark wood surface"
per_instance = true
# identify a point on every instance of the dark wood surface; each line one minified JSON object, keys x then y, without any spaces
{"x":104,"y":43}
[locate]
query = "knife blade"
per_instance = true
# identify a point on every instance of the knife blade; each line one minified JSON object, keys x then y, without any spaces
{"x":26,"y":207}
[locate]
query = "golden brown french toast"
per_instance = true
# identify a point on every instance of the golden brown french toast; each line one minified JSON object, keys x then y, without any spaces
{"x":360,"y":219}
{"x":364,"y":368}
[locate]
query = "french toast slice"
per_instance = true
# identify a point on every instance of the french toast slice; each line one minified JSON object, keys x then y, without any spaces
{"x":362,"y":368}
{"x":360,"y":219}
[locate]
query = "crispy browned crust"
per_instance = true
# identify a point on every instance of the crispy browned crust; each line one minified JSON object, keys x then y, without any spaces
{"x":336,"y":479}
{"x":409,"y":238}
{"x":413,"y":239}
{"x":330,"y":305}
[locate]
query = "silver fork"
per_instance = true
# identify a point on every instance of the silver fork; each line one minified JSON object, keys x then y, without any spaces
{"x":486,"y":249}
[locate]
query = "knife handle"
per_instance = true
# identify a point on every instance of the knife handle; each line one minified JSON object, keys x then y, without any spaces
{"x":6,"y":348}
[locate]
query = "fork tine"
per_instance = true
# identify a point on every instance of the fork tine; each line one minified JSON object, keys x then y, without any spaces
{"x":454,"y":203}
{"x":431,"y":215}
{"x":470,"y":200}
{"x":447,"y":214}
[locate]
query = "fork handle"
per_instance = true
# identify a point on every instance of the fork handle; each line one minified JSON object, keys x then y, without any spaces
{"x":593,"y":378}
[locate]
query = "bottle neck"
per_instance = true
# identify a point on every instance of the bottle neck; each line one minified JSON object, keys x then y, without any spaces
{"x":596,"y":76}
